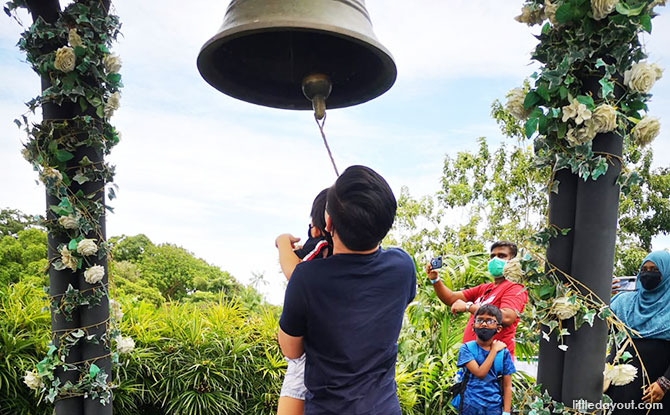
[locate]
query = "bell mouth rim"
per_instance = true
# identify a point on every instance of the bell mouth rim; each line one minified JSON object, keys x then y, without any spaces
{"x":231,"y":34}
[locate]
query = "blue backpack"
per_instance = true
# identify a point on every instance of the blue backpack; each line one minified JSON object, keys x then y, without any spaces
{"x":463,"y":375}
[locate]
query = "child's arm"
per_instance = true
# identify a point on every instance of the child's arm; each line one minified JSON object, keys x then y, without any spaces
{"x":481,"y":371}
{"x":288,"y":260}
{"x":507,"y":393}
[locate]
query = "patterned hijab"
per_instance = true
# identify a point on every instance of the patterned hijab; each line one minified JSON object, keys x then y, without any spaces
{"x":647,"y":311}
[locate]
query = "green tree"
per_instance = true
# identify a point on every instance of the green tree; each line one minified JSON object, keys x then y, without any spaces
{"x":129,"y":248}
{"x":503,"y":195}
{"x":12,"y":221}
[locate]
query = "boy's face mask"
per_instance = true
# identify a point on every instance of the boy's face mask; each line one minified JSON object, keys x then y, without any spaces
{"x":485,"y":334}
{"x":496,"y":266}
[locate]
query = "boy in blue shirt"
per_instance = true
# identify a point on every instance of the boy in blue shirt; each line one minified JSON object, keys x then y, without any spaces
{"x":482,"y":393}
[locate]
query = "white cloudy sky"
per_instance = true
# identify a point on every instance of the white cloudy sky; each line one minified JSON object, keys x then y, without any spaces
{"x":223,"y":178}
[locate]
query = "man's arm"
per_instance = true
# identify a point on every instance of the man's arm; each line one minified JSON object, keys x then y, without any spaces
{"x":445,"y":295}
{"x":509,"y":316}
{"x":290,"y":346}
{"x":288,"y":260}
{"x":512,"y":304}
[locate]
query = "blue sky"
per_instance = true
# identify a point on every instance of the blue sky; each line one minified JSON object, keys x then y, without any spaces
{"x":223,"y":178}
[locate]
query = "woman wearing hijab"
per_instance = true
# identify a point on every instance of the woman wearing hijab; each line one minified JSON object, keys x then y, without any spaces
{"x":647,"y":311}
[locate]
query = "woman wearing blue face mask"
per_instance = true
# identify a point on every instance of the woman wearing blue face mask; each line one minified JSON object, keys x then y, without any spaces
{"x":647,"y":311}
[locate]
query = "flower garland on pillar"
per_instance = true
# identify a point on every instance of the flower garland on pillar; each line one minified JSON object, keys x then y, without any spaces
{"x":84,"y":74}
{"x":594,"y":79}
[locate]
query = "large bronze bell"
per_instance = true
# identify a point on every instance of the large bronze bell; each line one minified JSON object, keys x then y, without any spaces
{"x":265,"y":49}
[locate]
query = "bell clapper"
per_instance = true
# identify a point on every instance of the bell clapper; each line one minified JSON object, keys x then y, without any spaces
{"x":316,"y":88}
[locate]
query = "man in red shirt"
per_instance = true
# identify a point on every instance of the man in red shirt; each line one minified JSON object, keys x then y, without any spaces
{"x":509,"y":297}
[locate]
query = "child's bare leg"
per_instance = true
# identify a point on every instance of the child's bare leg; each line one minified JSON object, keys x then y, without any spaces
{"x":290,"y":406}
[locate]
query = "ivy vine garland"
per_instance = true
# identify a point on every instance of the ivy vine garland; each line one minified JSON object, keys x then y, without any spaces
{"x":82,"y":72}
{"x":594,"y":79}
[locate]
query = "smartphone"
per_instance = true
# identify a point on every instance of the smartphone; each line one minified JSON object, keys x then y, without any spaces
{"x":436,"y":262}
{"x":626,"y":283}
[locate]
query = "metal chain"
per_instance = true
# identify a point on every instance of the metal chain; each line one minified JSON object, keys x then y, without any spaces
{"x":323,"y":135}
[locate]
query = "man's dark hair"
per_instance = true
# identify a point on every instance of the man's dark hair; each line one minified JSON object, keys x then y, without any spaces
{"x":362,"y":208}
{"x":318,"y":211}
{"x":491,"y":310}
{"x":507,"y":244}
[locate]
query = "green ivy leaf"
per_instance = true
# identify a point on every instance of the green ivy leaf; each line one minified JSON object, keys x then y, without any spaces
{"x":80,"y":178}
{"x":543,"y":92}
{"x":606,"y":87}
{"x":645,"y":22}
{"x":563,"y":91}
{"x":586,"y":100}
{"x":72,"y":245}
{"x":63,"y":155}
{"x":93,"y":371}
{"x":605,"y":312}
{"x":564,"y":13}
{"x":531,"y":127}
{"x":532,"y":98}
{"x":546,"y":28}
{"x":625,"y":356}
{"x":589,"y":316}
{"x":625,"y":9}
{"x":600,"y":169}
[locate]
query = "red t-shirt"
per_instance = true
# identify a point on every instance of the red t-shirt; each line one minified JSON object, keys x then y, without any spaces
{"x":504,"y":295}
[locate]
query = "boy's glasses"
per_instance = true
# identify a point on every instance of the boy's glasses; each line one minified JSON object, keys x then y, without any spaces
{"x":486,"y":322}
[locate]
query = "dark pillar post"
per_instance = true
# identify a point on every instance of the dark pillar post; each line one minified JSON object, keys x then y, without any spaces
{"x":593,"y":265}
{"x":94,"y":319}
{"x":559,"y":255}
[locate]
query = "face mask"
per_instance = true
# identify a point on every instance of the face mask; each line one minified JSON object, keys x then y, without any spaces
{"x":650,"y":279}
{"x":485,"y":334}
{"x":496,"y":266}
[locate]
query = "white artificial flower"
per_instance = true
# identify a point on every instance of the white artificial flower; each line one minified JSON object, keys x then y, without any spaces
{"x":579,"y":136}
{"x":65,"y":59}
{"x":113,"y":103}
{"x":642,"y":76}
{"x":74,"y":39}
{"x":550,"y":11}
{"x":94,"y":274}
{"x":51,"y":173}
{"x":564,"y":309}
{"x":112,"y":63}
{"x":620,"y":374}
{"x":26,"y":154}
{"x":33,"y":380}
{"x":604,"y":118}
{"x":115,"y":310}
{"x":576,"y":110}
{"x":68,"y":260}
{"x":602,"y":8}
{"x":646,"y":130}
{"x":563,"y":347}
{"x":124,"y":344}
{"x":87,"y":247}
{"x":512,"y":271}
{"x":68,"y":222}
{"x":530,"y":17}
{"x":514,"y":104}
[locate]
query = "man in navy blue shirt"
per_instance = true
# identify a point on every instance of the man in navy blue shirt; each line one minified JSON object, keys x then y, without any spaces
{"x":345,"y":311}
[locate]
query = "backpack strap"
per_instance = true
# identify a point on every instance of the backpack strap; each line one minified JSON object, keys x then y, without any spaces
{"x":498,"y":363}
